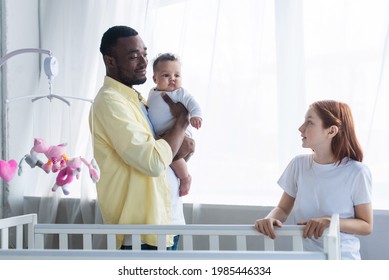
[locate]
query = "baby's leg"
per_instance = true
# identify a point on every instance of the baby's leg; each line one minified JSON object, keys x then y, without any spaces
{"x":181,"y":170}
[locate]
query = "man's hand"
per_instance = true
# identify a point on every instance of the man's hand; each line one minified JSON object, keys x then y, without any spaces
{"x":177,"y":109}
{"x":176,"y":134}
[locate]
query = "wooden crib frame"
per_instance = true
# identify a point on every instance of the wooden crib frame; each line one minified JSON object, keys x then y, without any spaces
{"x":36,"y":234}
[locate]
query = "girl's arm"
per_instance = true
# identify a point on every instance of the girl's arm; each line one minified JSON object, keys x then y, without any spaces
{"x":362,"y":224}
{"x":276,"y":216}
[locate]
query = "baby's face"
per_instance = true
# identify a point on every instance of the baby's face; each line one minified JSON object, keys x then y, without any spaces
{"x":168,"y":75}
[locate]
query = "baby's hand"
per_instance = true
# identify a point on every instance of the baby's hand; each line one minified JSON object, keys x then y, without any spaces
{"x":196,"y":122}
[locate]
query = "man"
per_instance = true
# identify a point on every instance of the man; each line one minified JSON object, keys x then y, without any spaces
{"x":134,"y":187}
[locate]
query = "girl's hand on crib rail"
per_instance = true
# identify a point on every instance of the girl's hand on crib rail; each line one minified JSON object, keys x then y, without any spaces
{"x":266,"y":226}
{"x":276,"y":216}
{"x":315,"y":227}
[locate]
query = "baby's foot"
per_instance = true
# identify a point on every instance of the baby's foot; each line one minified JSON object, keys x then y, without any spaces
{"x":185,"y":185}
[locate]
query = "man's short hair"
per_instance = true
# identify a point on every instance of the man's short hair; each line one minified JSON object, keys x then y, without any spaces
{"x":112,"y":35}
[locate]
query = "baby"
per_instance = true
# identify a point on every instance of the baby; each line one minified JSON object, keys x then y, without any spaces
{"x":167,"y":76}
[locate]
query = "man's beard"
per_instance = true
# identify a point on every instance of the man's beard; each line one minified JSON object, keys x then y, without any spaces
{"x":139,"y":81}
{"x":134,"y":81}
{"x":131,"y":80}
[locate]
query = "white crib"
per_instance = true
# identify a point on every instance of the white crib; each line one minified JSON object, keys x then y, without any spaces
{"x":26,"y":227}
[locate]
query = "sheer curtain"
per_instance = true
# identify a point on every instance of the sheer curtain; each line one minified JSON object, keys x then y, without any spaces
{"x":346,"y":45}
{"x":254,"y":66}
{"x":72,"y":31}
{"x":228,"y":52}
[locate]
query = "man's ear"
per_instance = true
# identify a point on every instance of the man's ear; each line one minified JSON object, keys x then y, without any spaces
{"x":333,"y":130}
{"x":109,"y":60}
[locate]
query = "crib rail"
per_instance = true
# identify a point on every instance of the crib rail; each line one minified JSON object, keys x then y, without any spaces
{"x":187,"y":232}
{"x":18,"y":223}
{"x":38,"y":232}
{"x":78,"y":254}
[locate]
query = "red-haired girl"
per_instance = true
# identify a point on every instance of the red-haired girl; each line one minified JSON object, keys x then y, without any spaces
{"x":331,"y":180}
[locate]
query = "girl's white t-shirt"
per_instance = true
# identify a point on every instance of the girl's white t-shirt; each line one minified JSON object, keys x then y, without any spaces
{"x":325,"y":189}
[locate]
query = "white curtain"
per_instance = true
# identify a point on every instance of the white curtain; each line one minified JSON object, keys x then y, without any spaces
{"x":254,"y":66}
{"x":72,"y":31}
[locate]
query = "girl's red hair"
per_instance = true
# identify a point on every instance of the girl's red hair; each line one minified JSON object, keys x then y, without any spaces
{"x":345,"y":142}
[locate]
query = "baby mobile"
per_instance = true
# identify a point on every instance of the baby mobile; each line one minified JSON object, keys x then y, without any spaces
{"x":56,"y":160}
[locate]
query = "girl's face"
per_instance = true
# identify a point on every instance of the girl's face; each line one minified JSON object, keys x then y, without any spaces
{"x":314,"y":136}
{"x":168,"y":75}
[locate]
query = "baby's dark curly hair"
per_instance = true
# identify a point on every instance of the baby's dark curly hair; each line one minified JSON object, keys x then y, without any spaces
{"x":164,"y":57}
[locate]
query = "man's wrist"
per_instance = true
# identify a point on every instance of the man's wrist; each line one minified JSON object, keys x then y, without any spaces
{"x":183,"y":121}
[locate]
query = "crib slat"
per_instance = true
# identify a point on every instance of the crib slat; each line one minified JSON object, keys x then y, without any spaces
{"x":87,"y":241}
{"x":39,"y":241}
{"x":111,"y":242}
{"x":297,"y":243}
{"x":269,"y":244}
{"x":19,"y":237}
{"x":136,"y":242}
{"x":161,"y":242}
{"x":63,"y":241}
{"x":187,"y":242}
{"x":241,"y":243}
{"x":214,"y":242}
{"x":30,"y":228}
{"x":4,"y":238}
